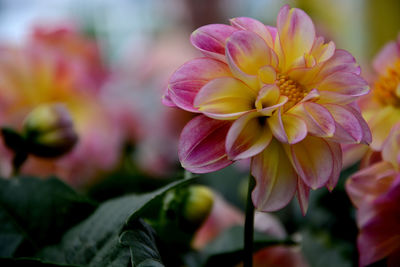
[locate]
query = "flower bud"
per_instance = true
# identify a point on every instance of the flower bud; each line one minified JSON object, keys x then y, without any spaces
{"x":49,"y":131}
{"x":183,"y":211}
{"x":198,"y":204}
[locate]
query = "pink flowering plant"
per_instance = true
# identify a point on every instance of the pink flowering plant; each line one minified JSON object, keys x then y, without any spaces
{"x":179,"y":149}
{"x":280,"y":96}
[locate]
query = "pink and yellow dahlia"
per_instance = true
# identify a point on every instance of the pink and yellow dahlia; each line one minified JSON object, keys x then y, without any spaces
{"x":382,"y":108}
{"x":375,"y":191}
{"x":278,"y":95}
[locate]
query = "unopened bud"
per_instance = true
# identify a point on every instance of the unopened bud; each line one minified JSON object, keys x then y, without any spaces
{"x":49,"y":131}
{"x":198,"y":204}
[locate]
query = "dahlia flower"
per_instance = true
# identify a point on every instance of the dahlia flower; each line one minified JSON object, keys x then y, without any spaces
{"x":60,"y":66}
{"x":278,"y":95}
{"x":382,"y":108}
{"x":375,"y":191}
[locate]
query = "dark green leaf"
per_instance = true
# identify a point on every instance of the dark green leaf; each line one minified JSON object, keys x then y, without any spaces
{"x":35,"y":212}
{"x":31,"y":262}
{"x":150,"y":263}
{"x":142,"y":244}
{"x":12,"y":139}
{"x":95,"y":241}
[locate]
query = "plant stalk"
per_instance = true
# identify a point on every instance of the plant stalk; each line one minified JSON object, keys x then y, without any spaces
{"x":249,"y":226}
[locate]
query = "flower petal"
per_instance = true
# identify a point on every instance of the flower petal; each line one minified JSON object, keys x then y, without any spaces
{"x":202,"y":145}
{"x":268,"y":110}
{"x":303,"y":193}
{"x":367,"y":135}
{"x":348,"y":86}
{"x":379,"y":238}
{"x":341,"y":61}
{"x":391,"y":147}
{"x":267,"y":74}
{"x":313,"y":160}
{"x":349,"y":128}
{"x":210,"y":39}
{"x":317,"y":118}
{"x":249,"y":24}
{"x":166,"y":99}
{"x":267,"y":96}
{"x":225,"y":98}
{"x":378,"y":221}
{"x":275,"y":177}
{"x":287,"y":128}
{"x":247,"y":53}
{"x":248,"y":136}
{"x":312,"y":95}
{"x":321,"y":51}
{"x":337,"y":164}
{"x":352,"y":153}
{"x":386,"y":57}
{"x":381,"y":123}
{"x":186,"y":81}
{"x":368,"y":183}
{"x":296,"y":32}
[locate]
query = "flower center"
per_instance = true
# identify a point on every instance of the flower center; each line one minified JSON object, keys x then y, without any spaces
{"x":387,"y":87}
{"x":291,"y":89}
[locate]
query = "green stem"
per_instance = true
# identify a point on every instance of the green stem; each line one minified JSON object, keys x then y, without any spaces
{"x":249,"y":226}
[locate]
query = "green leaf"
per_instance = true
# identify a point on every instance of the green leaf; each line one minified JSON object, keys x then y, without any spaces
{"x":227,"y":248}
{"x":142,"y":244}
{"x":12,"y":139}
{"x":150,"y":263}
{"x":31,"y":262}
{"x":95,"y":241}
{"x":35,"y":212}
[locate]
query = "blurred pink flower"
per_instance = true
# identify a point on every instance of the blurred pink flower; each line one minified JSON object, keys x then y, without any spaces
{"x":279,"y":256}
{"x":140,"y":80}
{"x":381,"y":108}
{"x":224,"y":216}
{"x":375,"y":191}
{"x":280,"y":96}
{"x":81,"y":52}
{"x":61,"y":65}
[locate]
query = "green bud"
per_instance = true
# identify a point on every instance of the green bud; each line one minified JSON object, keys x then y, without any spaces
{"x":49,"y":131}
{"x":198,"y":204}
{"x":183,"y":211}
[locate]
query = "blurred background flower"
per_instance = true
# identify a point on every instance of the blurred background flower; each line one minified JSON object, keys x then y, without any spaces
{"x":59,"y":64}
{"x":375,"y":191}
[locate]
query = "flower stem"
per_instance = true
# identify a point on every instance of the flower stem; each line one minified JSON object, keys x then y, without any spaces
{"x":249,"y":226}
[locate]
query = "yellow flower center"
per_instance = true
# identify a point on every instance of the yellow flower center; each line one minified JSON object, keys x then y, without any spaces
{"x":387,"y":87}
{"x":291,"y":89}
